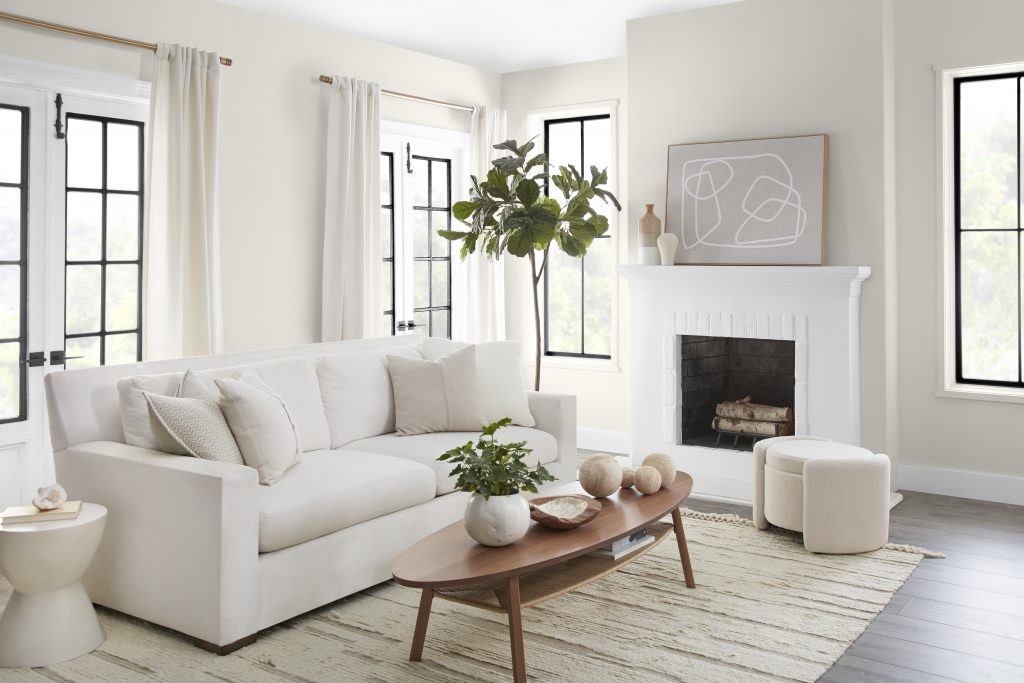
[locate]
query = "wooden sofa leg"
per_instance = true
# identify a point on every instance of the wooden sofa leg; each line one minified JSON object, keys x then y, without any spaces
{"x":225,"y":649}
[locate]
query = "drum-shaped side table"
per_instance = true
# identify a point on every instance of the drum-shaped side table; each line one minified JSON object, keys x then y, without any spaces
{"x":49,"y":617}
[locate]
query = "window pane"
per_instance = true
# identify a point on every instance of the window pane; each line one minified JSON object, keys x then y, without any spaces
{"x":597,"y":140}
{"x":122,"y":156}
{"x":421,"y":284}
{"x":389,"y":323}
{"x":598,"y":266}
{"x":10,"y":223}
{"x":439,"y":324}
{"x":10,"y":302}
{"x":564,"y":145}
{"x":385,"y":233}
{"x":439,"y":245}
{"x":988,"y":154}
{"x":122,"y":227}
{"x":418,"y":182}
{"x":422,"y":321}
{"x":439,"y":283}
{"x":563,"y":313}
{"x":10,"y":146}
{"x":10,"y":381}
{"x":385,"y":179}
{"x":439,"y":184}
{"x":82,"y":299}
{"x":122,"y":298}
{"x":121,"y":349}
{"x":420,"y":234}
{"x":87,"y":347}
{"x":84,"y":226}
{"x":988,"y":305}
{"x":386,"y":285}
{"x":85,"y":153}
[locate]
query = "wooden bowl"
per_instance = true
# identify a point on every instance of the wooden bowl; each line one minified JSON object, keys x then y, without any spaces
{"x":587,"y":512}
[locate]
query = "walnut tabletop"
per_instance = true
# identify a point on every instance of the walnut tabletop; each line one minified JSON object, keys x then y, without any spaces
{"x":450,"y":558}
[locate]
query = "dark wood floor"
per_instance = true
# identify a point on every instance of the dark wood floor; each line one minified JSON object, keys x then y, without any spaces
{"x":959,"y":618}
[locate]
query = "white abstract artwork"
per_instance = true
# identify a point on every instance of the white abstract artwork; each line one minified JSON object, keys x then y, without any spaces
{"x":750,"y":201}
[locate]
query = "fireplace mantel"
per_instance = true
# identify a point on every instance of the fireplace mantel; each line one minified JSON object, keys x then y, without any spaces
{"x":818,"y":308}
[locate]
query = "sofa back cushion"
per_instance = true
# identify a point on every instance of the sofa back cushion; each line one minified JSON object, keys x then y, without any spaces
{"x":136,"y":419}
{"x":357,"y":394}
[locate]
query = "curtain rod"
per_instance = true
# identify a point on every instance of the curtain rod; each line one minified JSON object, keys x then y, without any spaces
{"x":414,"y":98}
{"x":82,"y":33}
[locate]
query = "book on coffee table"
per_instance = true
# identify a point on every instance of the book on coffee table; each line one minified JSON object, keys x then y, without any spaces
{"x":624,"y":546}
{"x":20,"y":514}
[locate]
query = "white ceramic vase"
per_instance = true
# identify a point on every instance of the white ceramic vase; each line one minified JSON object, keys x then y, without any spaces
{"x":667,"y":245}
{"x":498,"y":520}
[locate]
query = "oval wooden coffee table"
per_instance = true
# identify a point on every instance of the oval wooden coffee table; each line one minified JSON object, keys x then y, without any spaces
{"x":544,"y":564}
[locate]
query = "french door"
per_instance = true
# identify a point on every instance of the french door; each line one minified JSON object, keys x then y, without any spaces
{"x":70,"y":256}
{"x":423,"y":173}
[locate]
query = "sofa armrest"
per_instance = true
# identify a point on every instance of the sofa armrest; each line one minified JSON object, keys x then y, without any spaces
{"x":181,"y":541}
{"x":556,"y":415}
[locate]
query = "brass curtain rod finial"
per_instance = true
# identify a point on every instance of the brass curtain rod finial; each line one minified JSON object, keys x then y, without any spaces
{"x":226,"y":61}
{"x":326,"y":79}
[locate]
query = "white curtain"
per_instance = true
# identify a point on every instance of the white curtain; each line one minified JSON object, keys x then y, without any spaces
{"x":352,"y":301}
{"x":182,"y":309}
{"x":485,"y":287}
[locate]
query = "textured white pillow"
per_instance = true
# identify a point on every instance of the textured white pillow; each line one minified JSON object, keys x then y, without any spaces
{"x":499,"y":378}
{"x":356,"y":392}
{"x":192,"y":426}
{"x":261,"y":425}
{"x":436,"y":396}
{"x":135,"y":419}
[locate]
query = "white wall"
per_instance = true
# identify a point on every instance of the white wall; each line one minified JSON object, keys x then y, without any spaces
{"x":766,"y":68}
{"x":271,"y":131}
{"x":600,"y":386}
{"x":948,"y":433}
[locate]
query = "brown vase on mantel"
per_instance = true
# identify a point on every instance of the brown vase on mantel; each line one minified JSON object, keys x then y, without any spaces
{"x":649,"y":229}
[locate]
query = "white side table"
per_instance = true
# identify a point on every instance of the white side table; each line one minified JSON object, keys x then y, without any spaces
{"x":49,"y":617}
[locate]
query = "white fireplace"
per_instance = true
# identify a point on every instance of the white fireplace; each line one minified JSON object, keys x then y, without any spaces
{"x":817,"y":308}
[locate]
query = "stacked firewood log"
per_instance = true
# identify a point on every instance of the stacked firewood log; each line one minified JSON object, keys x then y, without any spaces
{"x":746,"y":417}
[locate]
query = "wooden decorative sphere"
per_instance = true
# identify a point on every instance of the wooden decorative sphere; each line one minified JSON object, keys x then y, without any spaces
{"x":647,"y":479}
{"x":600,"y":475}
{"x":665,"y":465}
{"x":627,"y":477}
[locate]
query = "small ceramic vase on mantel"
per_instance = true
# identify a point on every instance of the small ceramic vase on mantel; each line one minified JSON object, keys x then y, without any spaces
{"x":667,"y":245}
{"x":649,"y":229}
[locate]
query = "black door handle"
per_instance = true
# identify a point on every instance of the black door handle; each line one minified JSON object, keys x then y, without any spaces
{"x":61,"y":358}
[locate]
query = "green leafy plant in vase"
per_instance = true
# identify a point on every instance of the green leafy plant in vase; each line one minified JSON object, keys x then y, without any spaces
{"x":508,"y":212}
{"x":495,"y":474}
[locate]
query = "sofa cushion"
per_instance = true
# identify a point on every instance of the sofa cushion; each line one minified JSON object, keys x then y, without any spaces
{"x":328,"y":491}
{"x":262,"y":426}
{"x":436,"y":395}
{"x":135,"y":418}
{"x":356,"y":391}
{"x":790,"y":455}
{"x":424,"y":449}
{"x":193,"y":426}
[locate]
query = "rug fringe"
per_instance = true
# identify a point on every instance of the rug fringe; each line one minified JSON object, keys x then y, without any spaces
{"x":743,"y":521}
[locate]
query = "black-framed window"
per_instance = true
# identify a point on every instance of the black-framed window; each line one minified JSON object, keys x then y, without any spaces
{"x":387,"y":236}
{"x":14,"y":180}
{"x":431,"y":254}
{"x":987,"y":226}
{"x":578,"y":291}
{"x":103,"y":247}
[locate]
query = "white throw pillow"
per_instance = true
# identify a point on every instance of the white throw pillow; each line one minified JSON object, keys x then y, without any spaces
{"x":499,"y":378}
{"x":192,"y":426}
{"x":262,"y":427}
{"x":135,"y":418}
{"x":436,"y":395}
{"x":356,"y":391}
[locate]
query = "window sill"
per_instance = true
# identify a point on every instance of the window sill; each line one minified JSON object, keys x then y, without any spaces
{"x":570,"y":363}
{"x":981,"y":392}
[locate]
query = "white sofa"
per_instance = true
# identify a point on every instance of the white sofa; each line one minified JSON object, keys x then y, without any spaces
{"x":202,"y":548}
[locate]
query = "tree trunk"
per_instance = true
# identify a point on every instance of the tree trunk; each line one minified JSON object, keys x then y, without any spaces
{"x":535,"y":280}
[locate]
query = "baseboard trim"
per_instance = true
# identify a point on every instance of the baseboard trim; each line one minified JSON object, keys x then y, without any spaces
{"x":602,"y":440}
{"x":994,"y":488}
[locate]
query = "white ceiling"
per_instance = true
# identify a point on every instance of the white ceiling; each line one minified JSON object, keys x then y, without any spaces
{"x":495,"y":35}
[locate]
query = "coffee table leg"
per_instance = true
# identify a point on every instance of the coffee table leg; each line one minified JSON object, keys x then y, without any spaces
{"x":515,"y":631}
{"x":420,"y":635}
{"x":684,"y":553}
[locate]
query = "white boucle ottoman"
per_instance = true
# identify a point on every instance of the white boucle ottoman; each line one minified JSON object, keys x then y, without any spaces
{"x":836,"y":494}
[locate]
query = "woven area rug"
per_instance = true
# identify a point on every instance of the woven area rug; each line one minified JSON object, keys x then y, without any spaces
{"x":763,"y":610}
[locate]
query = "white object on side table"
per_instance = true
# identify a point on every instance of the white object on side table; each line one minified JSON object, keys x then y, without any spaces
{"x":49,"y":617}
{"x":836,"y":494}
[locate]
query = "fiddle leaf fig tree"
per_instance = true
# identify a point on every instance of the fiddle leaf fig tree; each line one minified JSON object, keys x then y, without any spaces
{"x":509,"y":212}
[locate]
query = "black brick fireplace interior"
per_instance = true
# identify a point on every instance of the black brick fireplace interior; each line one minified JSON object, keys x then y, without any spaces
{"x":717,"y":369}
